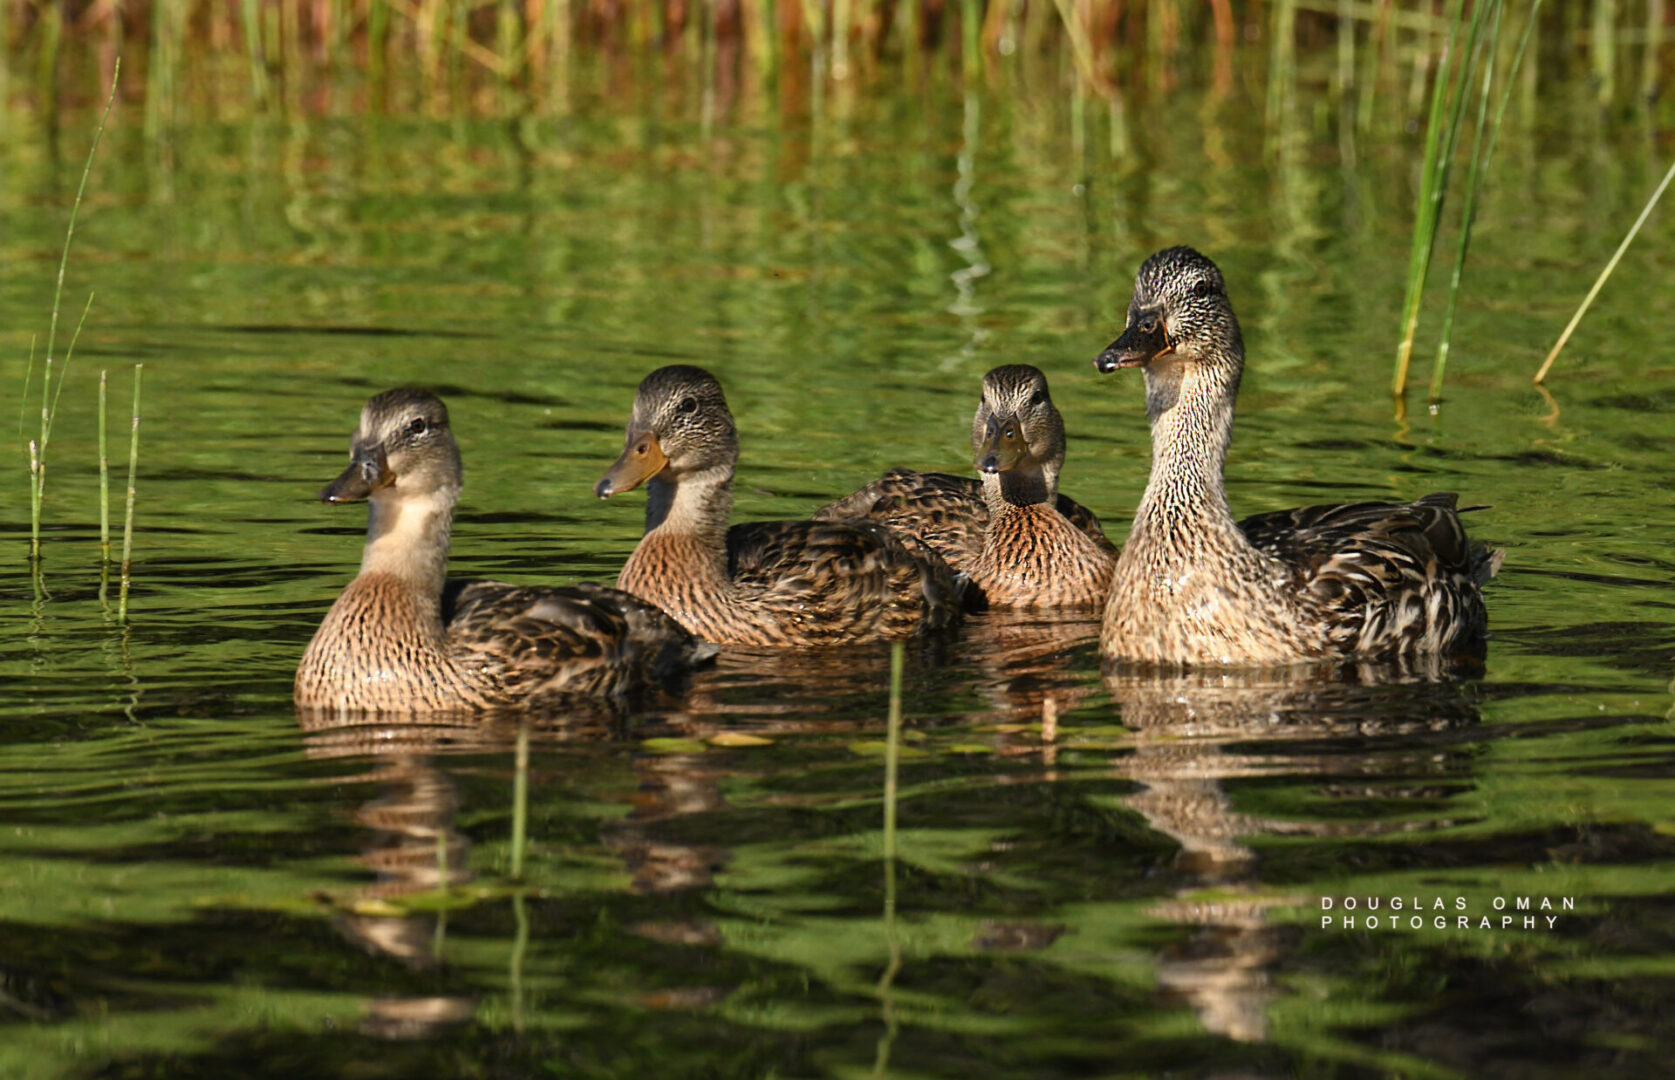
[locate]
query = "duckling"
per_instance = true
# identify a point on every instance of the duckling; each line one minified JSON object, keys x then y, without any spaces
{"x":402,"y":639}
{"x":1192,"y":587}
{"x":1021,"y":542}
{"x":765,"y":583}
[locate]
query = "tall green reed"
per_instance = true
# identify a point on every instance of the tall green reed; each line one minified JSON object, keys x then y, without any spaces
{"x":128,"y":514}
{"x":104,"y":474}
{"x":50,"y":396}
{"x":1479,"y":163}
{"x":1433,"y":183}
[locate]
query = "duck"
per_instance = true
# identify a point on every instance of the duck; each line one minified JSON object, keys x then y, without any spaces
{"x":403,"y":638}
{"x":776,"y":583}
{"x":1192,"y":587}
{"x":1021,"y":542}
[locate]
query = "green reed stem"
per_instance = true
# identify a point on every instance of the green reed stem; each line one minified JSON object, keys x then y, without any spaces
{"x":1603,"y":50}
{"x":707,"y":12}
{"x":128,"y":515}
{"x":508,"y":41}
{"x":1081,"y":47}
{"x":843,"y":13}
{"x":520,"y":946}
{"x":892,"y":760}
{"x":1344,"y":80}
{"x":1603,"y":274}
{"x":767,"y":38}
{"x":51,"y":34}
{"x":1432,"y":184}
{"x":49,"y":399}
{"x":892,"y":746}
{"x":1282,"y":60}
{"x":520,"y":801}
{"x":1650,"y":72}
{"x":104,"y":476}
{"x":251,"y":16}
{"x":34,"y":457}
{"x":971,"y":26}
{"x":1478,"y":144}
{"x":561,"y":51}
{"x":377,"y":46}
{"x":1470,"y":210}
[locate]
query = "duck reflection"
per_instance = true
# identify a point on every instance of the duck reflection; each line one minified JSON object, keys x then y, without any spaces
{"x":413,"y":846}
{"x":1193,"y":731}
{"x":1033,"y":662}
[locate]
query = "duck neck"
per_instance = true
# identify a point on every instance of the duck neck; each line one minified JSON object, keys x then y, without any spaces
{"x":1190,"y":406}
{"x":407,"y":539}
{"x":696,"y":505}
{"x":1026,"y":484}
{"x":684,"y":550}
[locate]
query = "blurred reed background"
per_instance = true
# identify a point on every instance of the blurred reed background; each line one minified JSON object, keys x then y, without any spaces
{"x":1422,"y":69}
{"x":439,"y":56}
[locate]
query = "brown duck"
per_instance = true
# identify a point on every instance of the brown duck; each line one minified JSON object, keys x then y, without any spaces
{"x":765,"y":583}
{"x":402,"y":639}
{"x":1020,"y":541}
{"x":1193,"y":587}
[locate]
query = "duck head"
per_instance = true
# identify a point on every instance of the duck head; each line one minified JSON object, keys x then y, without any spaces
{"x":1017,"y":429}
{"x":1179,"y":314}
{"x":680,"y":425}
{"x":403,"y":448}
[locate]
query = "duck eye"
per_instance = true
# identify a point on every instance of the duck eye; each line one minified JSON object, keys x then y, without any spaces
{"x":417,"y":425}
{"x":687,"y":406}
{"x":1148,"y":325}
{"x":1202,"y":288}
{"x":1038,"y":397}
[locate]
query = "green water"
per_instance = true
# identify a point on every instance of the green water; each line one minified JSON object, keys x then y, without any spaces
{"x":1125,"y":882}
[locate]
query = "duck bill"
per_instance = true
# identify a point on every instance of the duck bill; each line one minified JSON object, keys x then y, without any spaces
{"x":1003,"y":445}
{"x":641,"y":459}
{"x":368,"y":471}
{"x":1136,"y":348}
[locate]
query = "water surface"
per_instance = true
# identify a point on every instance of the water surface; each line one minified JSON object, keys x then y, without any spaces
{"x":1090,"y":875}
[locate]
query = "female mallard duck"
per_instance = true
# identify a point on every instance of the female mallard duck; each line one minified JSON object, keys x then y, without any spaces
{"x":1192,"y":587}
{"x":1020,"y":541}
{"x":398,"y":640}
{"x":767,"y":583}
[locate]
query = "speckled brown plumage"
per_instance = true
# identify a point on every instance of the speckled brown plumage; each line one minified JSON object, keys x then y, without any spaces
{"x":767,"y":583}
{"x":1021,"y":542}
{"x":1193,"y":587}
{"x":401,"y":639}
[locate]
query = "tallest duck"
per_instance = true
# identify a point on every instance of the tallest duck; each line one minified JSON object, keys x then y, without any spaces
{"x":1194,"y":587}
